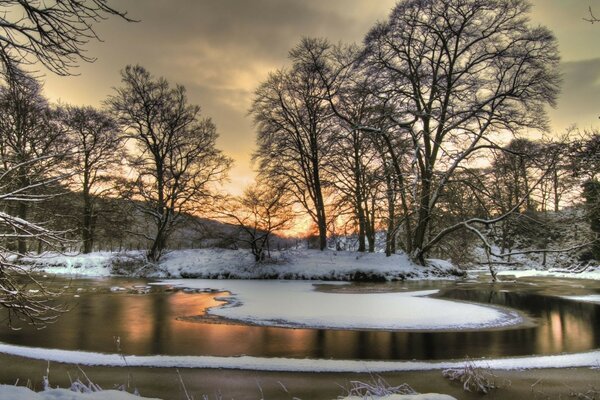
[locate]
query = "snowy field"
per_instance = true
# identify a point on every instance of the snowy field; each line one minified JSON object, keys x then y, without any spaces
{"x":239,"y":264}
{"x":298,"y":304}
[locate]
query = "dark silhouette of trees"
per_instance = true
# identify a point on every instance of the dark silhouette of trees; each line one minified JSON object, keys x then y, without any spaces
{"x":53,"y":33}
{"x":260,"y":212}
{"x":591,"y":193}
{"x":97,"y":156}
{"x":33,"y":146}
{"x":459,"y":74}
{"x":175,"y":161}
{"x":294,"y":128}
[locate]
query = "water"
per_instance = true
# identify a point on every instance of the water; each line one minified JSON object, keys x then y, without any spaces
{"x":166,"y":322}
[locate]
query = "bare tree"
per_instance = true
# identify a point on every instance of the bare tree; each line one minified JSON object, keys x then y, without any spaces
{"x":260,"y":212}
{"x":176,"y":160}
{"x":294,"y":125}
{"x":51,"y":32}
{"x":459,"y":73}
{"x":97,"y":156}
{"x":25,"y":298}
{"x":32,"y":144}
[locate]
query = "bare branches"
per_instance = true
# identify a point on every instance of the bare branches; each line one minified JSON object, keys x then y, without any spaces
{"x":99,"y":145}
{"x":294,"y":129}
{"x":177,"y":162}
{"x":53,"y":33}
{"x":591,"y":18}
{"x":260,"y":212}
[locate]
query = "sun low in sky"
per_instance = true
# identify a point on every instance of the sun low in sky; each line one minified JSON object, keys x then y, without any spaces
{"x":221,"y":50}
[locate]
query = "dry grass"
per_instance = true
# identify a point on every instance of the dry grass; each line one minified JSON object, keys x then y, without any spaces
{"x":474,"y":379}
{"x":377,"y":387}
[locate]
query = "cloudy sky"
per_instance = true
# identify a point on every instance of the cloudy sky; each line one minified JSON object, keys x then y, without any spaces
{"x":222,"y":49}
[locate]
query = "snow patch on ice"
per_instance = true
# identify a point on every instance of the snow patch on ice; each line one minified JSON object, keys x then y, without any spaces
{"x":297,"y":303}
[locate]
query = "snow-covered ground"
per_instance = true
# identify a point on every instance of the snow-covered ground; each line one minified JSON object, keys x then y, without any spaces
{"x":239,"y":264}
{"x":426,"y":396}
{"x":297,"y":303}
{"x":22,"y":393}
{"x":9,"y":392}
{"x":591,"y":273}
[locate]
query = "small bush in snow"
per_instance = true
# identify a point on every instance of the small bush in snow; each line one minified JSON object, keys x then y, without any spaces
{"x":473,"y":378}
{"x":377,"y":387}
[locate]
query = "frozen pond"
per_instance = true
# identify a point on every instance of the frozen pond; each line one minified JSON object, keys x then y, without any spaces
{"x":171,"y":320}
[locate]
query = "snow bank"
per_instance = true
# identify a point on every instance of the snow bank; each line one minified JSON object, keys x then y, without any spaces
{"x":592,"y":273}
{"x":94,"y":264}
{"x":298,"y":304}
{"x":587,"y":359}
{"x":240,"y":264}
{"x":592,"y":298}
{"x":299,"y":264}
{"x":427,"y":396}
{"x":22,"y":393}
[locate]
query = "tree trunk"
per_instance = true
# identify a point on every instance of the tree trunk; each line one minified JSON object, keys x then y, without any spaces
{"x":556,"y":194}
{"x":361,"y":227}
{"x":157,"y":247}
{"x":390,"y":245}
{"x":423,"y":220}
{"x":320,"y":208}
{"x":22,"y":241}
{"x":87,"y":234}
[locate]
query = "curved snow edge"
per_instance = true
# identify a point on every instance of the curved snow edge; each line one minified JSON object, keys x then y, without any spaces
{"x":586,"y":359}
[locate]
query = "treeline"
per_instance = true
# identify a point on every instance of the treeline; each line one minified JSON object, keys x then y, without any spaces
{"x":65,"y":170}
{"x":421,"y":130}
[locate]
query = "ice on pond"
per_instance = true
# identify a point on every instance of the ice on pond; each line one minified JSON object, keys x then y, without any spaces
{"x":298,"y":304}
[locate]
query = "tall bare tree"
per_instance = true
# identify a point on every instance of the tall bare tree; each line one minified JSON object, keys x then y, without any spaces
{"x":294,"y":125}
{"x":97,"y":156}
{"x":175,"y":159}
{"x":459,"y":74}
{"x":32,"y":143}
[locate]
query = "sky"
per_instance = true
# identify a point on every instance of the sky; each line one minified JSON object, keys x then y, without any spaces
{"x":221,"y":50}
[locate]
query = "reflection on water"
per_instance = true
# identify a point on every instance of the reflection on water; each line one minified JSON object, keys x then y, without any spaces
{"x":153,"y":324}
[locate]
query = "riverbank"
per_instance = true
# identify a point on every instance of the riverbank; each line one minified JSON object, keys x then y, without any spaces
{"x":239,"y":264}
{"x":164,"y":383}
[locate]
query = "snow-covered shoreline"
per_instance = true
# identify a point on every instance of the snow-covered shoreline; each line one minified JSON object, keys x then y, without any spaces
{"x":23,"y":393}
{"x":239,"y":264}
{"x":589,"y":359}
